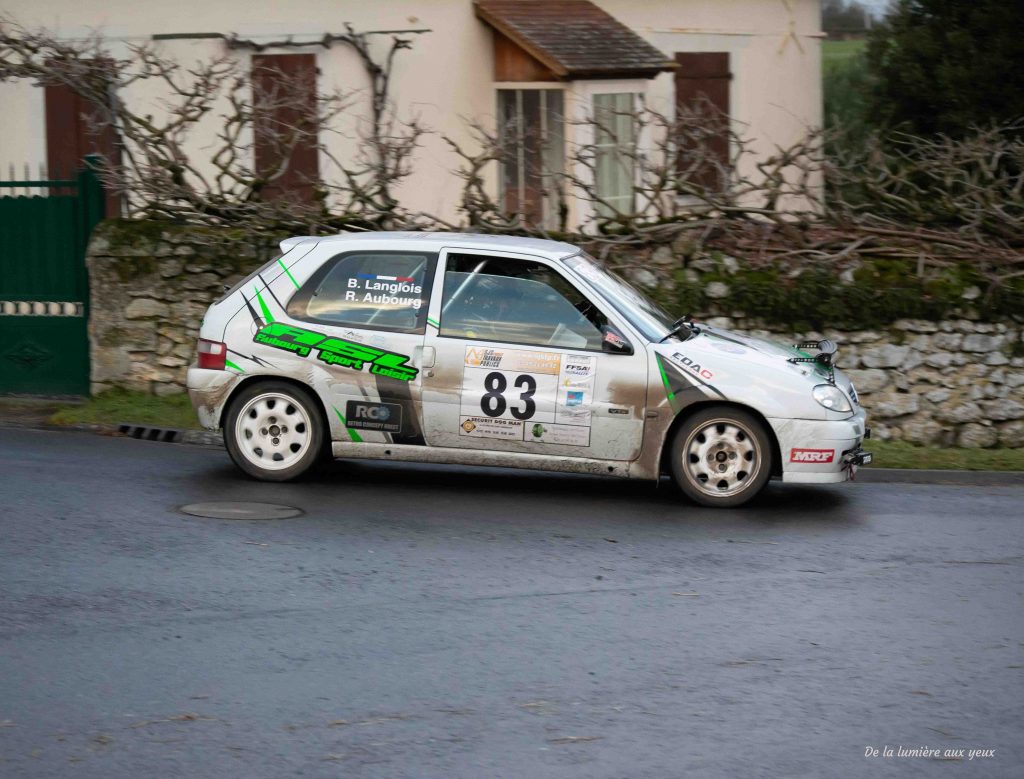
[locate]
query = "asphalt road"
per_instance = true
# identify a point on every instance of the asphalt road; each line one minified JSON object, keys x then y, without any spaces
{"x":444,"y":622}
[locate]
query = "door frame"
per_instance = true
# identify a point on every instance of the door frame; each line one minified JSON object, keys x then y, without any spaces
{"x":443,"y":394}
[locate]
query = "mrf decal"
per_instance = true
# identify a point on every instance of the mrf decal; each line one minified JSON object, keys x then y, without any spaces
{"x":336,"y":351}
{"x":812,"y":455}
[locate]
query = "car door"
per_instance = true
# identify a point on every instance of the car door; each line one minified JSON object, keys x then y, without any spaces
{"x":360,"y":320}
{"x":520,"y":360}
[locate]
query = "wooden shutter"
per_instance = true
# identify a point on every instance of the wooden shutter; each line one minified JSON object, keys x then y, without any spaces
{"x":284,"y":96}
{"x":70,"y":137}
{"x":702,"y":80}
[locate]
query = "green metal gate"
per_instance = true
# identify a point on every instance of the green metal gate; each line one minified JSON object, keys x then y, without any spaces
{"x":44,"y":297}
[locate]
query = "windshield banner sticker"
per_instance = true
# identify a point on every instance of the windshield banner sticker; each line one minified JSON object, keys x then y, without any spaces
{"x":336,"y":351}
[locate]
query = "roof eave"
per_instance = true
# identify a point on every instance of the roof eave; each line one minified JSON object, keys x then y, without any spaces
{"x":605,"y":74}
{"x":513,"y":35}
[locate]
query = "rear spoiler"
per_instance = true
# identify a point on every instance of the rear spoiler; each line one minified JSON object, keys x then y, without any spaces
{"x":827,"y":351}
{"x":290,"y":243}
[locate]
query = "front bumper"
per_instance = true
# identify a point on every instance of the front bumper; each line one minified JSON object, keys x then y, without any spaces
{"x":821,"y":452}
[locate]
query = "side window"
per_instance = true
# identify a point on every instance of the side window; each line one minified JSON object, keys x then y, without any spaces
{"x":375,"y":290}
{"x":516,"y":301}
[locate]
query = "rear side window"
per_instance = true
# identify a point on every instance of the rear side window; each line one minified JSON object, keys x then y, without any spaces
{"x":290,"y":257}
{"x":370,"y":290}
{"x":248,"y":279}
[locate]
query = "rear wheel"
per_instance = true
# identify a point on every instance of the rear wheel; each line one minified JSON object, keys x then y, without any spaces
{"x":273,"y":431}
{"x":721,"y":456}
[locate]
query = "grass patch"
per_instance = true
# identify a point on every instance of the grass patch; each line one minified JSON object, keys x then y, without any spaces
{"x":900,"y":454}
{"x":119,"y":405}
{"x":838,"y":52}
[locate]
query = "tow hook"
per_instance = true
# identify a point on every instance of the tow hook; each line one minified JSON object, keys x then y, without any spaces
{"x":858,"y":457}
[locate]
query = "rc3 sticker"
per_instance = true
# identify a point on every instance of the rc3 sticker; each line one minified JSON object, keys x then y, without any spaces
{"x":382,"y":417}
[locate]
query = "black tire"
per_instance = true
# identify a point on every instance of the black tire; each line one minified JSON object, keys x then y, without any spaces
{"x":274,"y":407}
{"x":733,"y":462}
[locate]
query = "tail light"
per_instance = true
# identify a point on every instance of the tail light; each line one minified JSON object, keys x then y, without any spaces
{"x":212,"y":354}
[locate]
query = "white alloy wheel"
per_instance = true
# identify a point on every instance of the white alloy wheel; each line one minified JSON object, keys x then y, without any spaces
{"x":273,"y":431}
{"x":721,"y":456}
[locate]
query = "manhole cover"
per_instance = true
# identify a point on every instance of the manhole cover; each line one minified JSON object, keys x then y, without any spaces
{"x":228,"y":509}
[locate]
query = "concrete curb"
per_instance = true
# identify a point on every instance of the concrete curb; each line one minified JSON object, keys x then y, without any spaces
{"x":170,"y":435}
{"x":141,"y":432}
{"x":921,"y":476}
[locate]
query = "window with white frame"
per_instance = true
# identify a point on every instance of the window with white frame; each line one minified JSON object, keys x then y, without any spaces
{"x":614,"y":149}
{"x":532,"y":132}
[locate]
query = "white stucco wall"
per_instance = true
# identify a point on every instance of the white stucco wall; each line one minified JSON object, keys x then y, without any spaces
{"x":447,"y":76}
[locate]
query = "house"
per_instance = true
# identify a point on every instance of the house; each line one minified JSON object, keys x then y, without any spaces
{"x":538,"y":65}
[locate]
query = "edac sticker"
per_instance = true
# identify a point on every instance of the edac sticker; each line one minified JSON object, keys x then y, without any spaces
{"x":693,"y":366}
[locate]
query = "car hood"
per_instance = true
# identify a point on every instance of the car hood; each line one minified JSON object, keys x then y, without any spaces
{"x":729,"y":352}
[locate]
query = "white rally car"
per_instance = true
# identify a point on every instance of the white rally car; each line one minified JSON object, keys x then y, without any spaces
{"x":514,"y":352}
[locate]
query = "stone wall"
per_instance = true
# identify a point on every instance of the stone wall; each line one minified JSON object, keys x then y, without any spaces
{"x":954,"y":382}
{"x":149,"y":291}
{"x":950,"y":383}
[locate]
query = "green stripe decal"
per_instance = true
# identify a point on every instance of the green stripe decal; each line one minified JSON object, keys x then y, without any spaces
{"x":432,"y":322}
{"x":351,"y":433}
{"x":263,"y":307}
{"x":285,"y":269}
{"x":668,"y":389}
{"x":233,"y":366}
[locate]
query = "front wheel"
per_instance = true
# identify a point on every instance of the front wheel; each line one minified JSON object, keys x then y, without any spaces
{"x":721,"y":457}
{"x":273,"y":431}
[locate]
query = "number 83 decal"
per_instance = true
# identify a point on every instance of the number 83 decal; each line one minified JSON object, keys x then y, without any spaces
{"x":493,"y":402}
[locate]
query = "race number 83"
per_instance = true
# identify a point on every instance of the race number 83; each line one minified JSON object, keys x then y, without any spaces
{"x":493,"y":402}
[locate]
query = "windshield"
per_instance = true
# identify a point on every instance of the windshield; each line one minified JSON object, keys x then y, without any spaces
{"x":641,"y":312}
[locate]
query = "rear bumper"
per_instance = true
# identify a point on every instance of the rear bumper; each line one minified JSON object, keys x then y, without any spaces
{"x":209,"y":390}
{"x":821,"y":452}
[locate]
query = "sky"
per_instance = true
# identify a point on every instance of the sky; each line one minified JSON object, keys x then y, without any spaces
{"x":877,"y":7}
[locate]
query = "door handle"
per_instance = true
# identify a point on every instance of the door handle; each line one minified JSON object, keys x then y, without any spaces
{"x":429,"y":355}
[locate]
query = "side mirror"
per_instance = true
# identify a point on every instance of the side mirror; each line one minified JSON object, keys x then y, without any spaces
{"x":613,"y":342}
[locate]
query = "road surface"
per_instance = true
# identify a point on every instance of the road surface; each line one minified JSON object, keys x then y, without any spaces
{"x":427,"y":621}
